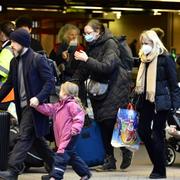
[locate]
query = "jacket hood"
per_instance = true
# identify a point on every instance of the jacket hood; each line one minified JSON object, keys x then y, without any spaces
{"x":63,"y":101}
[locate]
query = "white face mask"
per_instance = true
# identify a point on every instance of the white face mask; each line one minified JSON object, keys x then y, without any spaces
{"x":146,"y":49}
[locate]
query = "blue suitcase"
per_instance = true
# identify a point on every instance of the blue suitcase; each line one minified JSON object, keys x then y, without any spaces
{"x":90,"y":146}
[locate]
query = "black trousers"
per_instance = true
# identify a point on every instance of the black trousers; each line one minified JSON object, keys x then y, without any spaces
{"x":26,"y":139}
{"x":107,"y":127}
{"x":151,"y":131}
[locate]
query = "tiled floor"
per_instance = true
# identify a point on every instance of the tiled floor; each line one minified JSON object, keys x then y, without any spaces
{"x":139,"y":170}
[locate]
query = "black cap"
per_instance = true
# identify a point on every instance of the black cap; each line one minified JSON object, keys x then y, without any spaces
{"x":21,"y":36}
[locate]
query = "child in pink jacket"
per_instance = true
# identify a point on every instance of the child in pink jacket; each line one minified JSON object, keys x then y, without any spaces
{"x":68,"y":119}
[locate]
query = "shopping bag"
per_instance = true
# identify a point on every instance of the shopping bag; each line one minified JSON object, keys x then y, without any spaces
{"x":125,"y":129}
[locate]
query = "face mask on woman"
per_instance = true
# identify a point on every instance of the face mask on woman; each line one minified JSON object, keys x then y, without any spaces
{"x":89,"y":37}
{"x":146,"y":49}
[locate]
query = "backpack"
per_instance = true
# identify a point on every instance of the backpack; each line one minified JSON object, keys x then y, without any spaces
{"x":52,"y":65}
{"x":126,"y":56}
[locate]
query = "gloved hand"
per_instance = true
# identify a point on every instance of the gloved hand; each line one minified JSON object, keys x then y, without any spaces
{"x":34,"y":102}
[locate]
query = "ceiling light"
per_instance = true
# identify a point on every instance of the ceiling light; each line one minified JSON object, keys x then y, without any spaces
{"x":18,"y":9}
{"x":165,"y":10}
{"x":118,"y":15}
{"x":126,"y":9}
{"x":0,"y":8}
{"x":32,"y":9}
{"x":156,"y":13}
{"x":99,"y":12}
{"x":86,"y":7}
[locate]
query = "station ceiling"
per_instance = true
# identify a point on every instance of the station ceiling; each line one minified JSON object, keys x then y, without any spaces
{"x":105,"y":4}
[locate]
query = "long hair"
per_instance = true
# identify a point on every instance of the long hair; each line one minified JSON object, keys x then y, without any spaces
{"x":159,"y":32}
{"x":158,"y":46}
{"x":72,"y":89}
{"x":65,"y":30}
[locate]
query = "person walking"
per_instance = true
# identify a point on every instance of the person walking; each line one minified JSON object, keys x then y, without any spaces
{"x":6,"y":55}
{"x":68,"y":117}
{"x":26,"y":22}
{"x":32,"y":83}
{"x":157,"y":84}
{"x":108,"y":85}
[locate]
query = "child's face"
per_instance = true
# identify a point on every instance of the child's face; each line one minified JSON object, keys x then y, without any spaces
{"x":62,"y":94}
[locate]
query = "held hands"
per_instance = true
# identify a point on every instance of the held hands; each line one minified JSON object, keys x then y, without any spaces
{"x":81,"y":56}
{"x":34,"y":102}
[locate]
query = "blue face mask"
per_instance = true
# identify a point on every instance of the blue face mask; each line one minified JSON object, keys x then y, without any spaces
{"x":89,"y":37}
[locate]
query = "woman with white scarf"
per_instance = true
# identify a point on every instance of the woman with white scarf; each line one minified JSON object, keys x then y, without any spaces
{"x":157,"y":83}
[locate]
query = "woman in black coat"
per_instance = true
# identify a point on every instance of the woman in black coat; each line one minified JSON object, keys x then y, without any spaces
{"x":157,"y":83}
{"x":108,"y":84}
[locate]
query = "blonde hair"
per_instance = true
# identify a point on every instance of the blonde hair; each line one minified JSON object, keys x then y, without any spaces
{"x":64,"y":31}
{"x":158,"y":46}
{"x":72,"y":89}
{"x":158,"y":31}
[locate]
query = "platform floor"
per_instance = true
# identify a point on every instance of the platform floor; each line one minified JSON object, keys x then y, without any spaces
{"x":139,"y":170}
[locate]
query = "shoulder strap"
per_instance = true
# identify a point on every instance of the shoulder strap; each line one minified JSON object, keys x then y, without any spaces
{"x":35,"y":59}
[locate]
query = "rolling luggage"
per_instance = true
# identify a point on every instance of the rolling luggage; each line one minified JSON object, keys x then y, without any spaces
{"x":32,"y":159}
{"x":4,"y":139}
{"x":90,"y":146}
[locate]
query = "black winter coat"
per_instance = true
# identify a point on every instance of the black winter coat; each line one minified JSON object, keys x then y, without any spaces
{"x":39,"y":82}
{"x":167,"y":91}
{"x":103,"y":65}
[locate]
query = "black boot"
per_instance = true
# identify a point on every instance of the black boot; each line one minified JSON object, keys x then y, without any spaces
{"x":86,"y":177}
{"x":157,"y":176}
{"x":8,"y":175}
{"x":157,"y":173}
{"x":126,"y":158}
{"x":109,"y":164}
{"x":45,"y":177}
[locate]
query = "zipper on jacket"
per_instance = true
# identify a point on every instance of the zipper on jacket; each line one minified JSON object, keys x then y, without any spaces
{"x":155,"y":111}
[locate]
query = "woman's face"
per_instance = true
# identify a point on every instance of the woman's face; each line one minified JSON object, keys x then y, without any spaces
{"x":89,"y":34}
{"x":146,"y":41}
{"x":88,"y":30}
{"x":146,"y":46}
{"x":72,"y":35}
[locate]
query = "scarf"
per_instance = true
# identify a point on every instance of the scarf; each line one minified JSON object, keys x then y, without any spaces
{"x":151,"y":75}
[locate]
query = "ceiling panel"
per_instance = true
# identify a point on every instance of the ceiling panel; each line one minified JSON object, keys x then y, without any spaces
{"x":147,"y":4}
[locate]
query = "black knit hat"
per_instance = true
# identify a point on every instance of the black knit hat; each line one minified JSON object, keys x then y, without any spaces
{"x":21,"y":36}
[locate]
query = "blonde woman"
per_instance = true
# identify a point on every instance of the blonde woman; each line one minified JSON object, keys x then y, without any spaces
{"x":157,"y":82}
{"x":68,"y":119}
{"x":63,"y":52}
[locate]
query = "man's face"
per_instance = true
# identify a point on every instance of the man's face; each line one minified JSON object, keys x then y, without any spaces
{"x":2,"y":36}
{"x":27,"y":29}
{"x":16,"y":47}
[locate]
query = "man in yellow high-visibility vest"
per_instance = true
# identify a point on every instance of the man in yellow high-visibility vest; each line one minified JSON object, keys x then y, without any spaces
{"x":6,"y":55}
